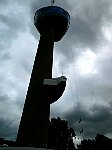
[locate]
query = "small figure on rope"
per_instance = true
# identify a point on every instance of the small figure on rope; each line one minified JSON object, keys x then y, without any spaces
{"x":81,"y":131}
{"x":52,"y":2}
{"x":80,"y":120}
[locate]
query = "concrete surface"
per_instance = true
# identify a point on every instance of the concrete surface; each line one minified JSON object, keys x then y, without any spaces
{"x":22,"y":148}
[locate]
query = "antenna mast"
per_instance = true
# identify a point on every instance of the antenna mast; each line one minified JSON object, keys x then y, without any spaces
{"x":52,"y":2}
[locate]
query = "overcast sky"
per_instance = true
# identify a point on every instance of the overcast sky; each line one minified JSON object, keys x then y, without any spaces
{"x":84,"y":56}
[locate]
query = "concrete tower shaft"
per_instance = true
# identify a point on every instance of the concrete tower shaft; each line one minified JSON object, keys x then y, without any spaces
{"x":42,"y":90}
{"x":35,"y":117}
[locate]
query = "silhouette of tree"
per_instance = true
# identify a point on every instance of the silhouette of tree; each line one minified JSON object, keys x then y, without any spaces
{"x":6,"y":142}
{"x":85,"y":145}
{"x":60,"y":136}
{"x":100,"y":142}
{"x":103,"y":142}
{"x":1,"y":141}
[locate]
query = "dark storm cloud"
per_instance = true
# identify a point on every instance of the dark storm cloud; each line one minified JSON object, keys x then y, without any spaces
{"x":3,"y":127}
{"x":94,"y":120}
{"x":104,"y":65}
{"x":83,"y":35}
{"x":3,"y":2}
{"x":87,"y":20}
{"x":11,"y":22}
{"x":3,"y":98}
{"x":85,"y":31}
{"x":95,"y":87}
{"x":9,"y":116}
{"x":7,"y":129}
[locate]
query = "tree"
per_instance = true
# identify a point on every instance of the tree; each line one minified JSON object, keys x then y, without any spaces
{"x":6,"y":142}
{"x":1,"y":141}
{"x":100,"y":142}
{"x":60,"y":136}
{"x":103,"y":142}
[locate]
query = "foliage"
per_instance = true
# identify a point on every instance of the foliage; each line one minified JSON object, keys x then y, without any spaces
{"x":60,"y":136}
{"x":100,"y":142}
{"x":6,"y":142}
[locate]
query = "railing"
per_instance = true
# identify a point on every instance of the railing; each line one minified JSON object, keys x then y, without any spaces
{"x":52,"y":10}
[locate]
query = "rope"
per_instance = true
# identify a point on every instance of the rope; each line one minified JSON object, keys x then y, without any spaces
{"x":77,"y":94}
{"x":76,"y":86}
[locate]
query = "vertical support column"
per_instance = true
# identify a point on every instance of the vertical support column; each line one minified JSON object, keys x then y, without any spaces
{"x":33,"y":129}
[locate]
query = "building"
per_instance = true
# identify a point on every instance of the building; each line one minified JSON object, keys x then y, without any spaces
{"x":52,"y":23}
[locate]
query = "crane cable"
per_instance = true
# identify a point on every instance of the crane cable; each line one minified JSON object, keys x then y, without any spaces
{"x":76,"y":89}
{"x":77,"y":93}
{"x":76,"y":85}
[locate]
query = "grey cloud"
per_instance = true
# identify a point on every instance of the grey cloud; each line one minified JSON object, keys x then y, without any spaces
{"x":87,"y":20}
{"x":101,"y":112}
{"x":7,"y":130}
{"x":3,"y":2}
{"x":9,"y":117}
{"x":93,"y":121}
{"x":83,"y":35}
{"x":12,"y":23}
{"x":86,"y":25}
{"x":104,"y":65}
{"x":3,"y":98}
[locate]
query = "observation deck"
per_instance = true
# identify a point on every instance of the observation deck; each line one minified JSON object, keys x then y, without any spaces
{"x":52,"y":17}
{"x":54,"y":88}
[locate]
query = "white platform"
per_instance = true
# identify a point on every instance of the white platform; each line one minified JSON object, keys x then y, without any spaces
{"x":22,"y":148}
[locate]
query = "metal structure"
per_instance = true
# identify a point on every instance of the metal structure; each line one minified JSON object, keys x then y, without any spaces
{"x":52,"y":2}
{"x":52,"y":23}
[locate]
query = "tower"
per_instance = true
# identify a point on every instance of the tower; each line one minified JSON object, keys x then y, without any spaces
{"x":52,"y":23}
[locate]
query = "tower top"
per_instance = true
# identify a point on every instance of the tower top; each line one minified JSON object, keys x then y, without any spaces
{"x":53,"y":17}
